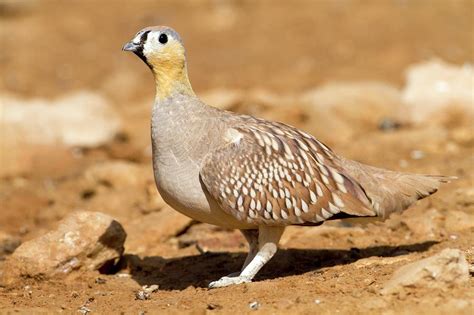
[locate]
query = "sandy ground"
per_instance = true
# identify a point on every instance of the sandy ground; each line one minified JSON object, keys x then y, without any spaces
{"x":50,"y":48}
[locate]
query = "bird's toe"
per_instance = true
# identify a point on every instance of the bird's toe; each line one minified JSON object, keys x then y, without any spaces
{"x":226,"y":281}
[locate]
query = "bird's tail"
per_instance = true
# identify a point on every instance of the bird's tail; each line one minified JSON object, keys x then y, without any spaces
{"x":391,"y":191}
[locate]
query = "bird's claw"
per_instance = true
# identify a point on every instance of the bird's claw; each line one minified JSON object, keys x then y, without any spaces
{"x":226,"y":281}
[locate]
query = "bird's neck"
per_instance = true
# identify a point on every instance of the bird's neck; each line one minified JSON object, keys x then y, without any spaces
{"x":171,"y":78}
{"x":176,"y":123}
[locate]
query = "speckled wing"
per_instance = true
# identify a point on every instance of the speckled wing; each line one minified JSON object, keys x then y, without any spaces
{"x":271,"y":173}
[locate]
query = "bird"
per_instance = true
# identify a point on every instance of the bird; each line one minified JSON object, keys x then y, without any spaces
{"x":258,"y":176}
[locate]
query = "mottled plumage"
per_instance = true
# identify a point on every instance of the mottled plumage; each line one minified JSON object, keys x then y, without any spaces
{"x":258,"y":176}
{"x":271,"y":173}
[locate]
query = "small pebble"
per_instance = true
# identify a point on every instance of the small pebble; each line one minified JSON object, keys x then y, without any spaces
{"x":146,"y":291}
{"x":84,"y":310}
{"x":417,"y":154}
{"x":212,"y":306}
{"x":142,"y":295}
{"x":24,"y":230}
{"x":403,"y":163}
{"x":152,"y":288}
{"x":254,"y":305}
{"x":28,"y":291}
{"x":317,"y":301}
{"x":77,"y":153}
{"x":100,"y":280}
{"x":389,"y":124}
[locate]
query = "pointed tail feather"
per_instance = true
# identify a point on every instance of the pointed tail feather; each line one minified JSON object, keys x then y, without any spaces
{"x":392,"y":191}
{"x":405,"y":189}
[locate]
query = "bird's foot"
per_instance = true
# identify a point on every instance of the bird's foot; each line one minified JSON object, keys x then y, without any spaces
{"x":229,"y":280}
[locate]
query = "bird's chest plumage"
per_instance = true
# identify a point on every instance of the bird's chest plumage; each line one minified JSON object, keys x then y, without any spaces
{"x":179,"y":145}
{"x":176,"y":162}
{"x":178,"y":183}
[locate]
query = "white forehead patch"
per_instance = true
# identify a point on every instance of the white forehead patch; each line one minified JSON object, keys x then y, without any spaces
{"x":152,"y":44}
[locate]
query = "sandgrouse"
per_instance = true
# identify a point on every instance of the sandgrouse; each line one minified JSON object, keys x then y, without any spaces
{"x":246,"y":173}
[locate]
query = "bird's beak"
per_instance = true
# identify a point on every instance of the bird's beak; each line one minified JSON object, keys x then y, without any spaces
{"x":131,"y":46}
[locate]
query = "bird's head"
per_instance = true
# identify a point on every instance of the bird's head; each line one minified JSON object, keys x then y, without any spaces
{"x":162,"y":49}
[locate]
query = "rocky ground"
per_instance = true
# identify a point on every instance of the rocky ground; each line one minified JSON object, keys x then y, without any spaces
{"x":82,"y":228}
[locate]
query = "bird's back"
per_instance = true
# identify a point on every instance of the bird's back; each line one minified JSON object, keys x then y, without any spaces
{"x":272,"y":173}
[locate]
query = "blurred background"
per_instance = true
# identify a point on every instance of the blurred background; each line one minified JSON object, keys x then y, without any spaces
{"x":388,"y":83}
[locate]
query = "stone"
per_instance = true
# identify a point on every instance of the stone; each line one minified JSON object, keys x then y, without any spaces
{"x":436,"y":87}
{"x":441,"y":271}
{"x":83,"y":241}
{"x":43,"y":142}
{"x":82,"y":119}
{"x":255,"y":305}
{"x":146,"y":291}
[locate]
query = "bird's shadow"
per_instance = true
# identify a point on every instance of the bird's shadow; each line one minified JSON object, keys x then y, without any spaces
{"x":199,"y":270}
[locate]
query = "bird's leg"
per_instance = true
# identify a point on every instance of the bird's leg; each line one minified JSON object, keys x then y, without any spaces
{"x":252,"y":238}
{"x":268,"y":238}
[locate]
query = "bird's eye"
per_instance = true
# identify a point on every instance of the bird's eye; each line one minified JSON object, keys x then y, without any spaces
{"x":163,"y":38}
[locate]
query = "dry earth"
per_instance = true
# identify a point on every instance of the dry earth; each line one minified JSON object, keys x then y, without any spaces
{"x":256,"y":58}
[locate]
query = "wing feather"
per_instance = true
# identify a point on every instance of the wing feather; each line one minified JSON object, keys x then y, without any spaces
{"x":274,"y":174}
